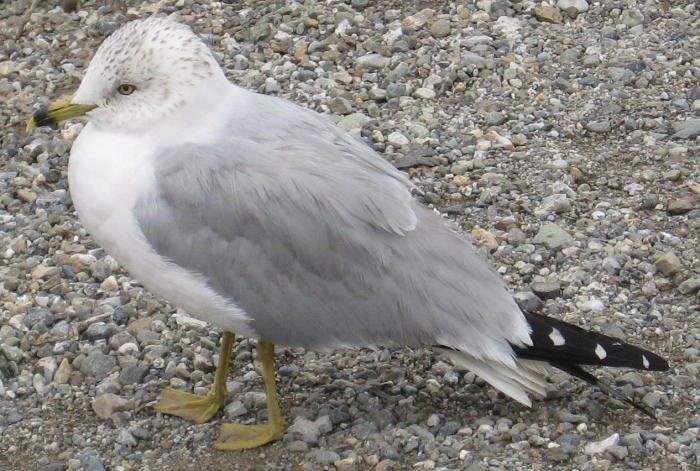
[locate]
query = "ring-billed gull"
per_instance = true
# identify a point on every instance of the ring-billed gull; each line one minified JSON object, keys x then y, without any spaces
{"x":263,"y":218}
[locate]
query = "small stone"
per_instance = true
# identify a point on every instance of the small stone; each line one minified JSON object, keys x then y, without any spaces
{"x":602,"y":126}
{"x":546,"y":289}
{"x":324,"y":424}
{"x":110,"y":284}
{"x":519,"y":140}
{"x":595,"y":448}
{"x":461,"y":180}
{"x":124,"y":437}
{"x":557,"y":203}
{"x":680,"y":206}
{"x":97,"y":364}
{"x":69,"y":6}
{"x":631,"y":18}
{"x":619,"y":452}
{"x":324,"y":457}
{"x":98,"y":330}
{"x":652,"y":399}
{"x":261,"y":31}
{"x":578,"y":5}
{"x":553,"y":237}
{"x":632,"y":378}
{"x":528,"y":301}
{"x":571,"y":418}
{"x":42,"y":272}
{"x":353,"y":121}
{"x":471,"y":58}
{"x":371,"y":61}
{"x":397,"y":139}
{"x":132,"y":374}
{"x":424,"y":93}
{"x":108,"y":403}
{"x":90,"y":460}
{"x":26,"y":195}
{"x":305,"y":430}
{"x":547,"y":13}
{"x":494,"y":118}
{"x":63,"y":372}
{"x":440,"y":28}
{"x":49,"y":366}
{"x":395,"y":90}
{"x":340,"y":105}
{"x":235,"y":409}
{"x":516,"y":236}
{"x":485,"y":239}
{"x":12,"y":353}
{"x":689,"y":286}
{"x":668,"y":263}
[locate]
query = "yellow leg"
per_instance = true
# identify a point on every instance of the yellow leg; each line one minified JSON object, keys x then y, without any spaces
{"x":197,"y":408}
{"x":240,"y":437}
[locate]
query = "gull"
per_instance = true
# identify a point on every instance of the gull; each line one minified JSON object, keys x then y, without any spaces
{"x":265,"y":219}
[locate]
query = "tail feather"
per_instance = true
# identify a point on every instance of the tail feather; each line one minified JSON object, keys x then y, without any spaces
{"x":528,"y":377}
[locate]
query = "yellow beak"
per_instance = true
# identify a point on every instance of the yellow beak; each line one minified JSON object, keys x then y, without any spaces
{"x":57,"y":113}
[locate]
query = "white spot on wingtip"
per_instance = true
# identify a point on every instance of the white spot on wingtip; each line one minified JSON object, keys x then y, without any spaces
{"x":600,"y":351}
{"x":645,"y":362}
{"x":556,"y":337}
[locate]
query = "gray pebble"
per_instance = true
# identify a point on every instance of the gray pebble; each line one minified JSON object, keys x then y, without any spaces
{"x":553,"y":237}
{"x":90,"y":460}
{"x":97,"y":364}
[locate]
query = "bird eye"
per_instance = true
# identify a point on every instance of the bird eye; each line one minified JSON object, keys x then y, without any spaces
{"x":126,"y":89}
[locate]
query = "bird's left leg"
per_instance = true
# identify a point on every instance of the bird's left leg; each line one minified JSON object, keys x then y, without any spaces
{"x":200,"y":409}
{"x":240,"y":437}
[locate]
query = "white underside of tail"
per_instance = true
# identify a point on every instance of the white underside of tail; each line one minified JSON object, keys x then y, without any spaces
{"x":526,"y":377}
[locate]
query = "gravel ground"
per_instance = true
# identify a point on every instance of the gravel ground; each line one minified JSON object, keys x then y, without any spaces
{"x":563,"y":138}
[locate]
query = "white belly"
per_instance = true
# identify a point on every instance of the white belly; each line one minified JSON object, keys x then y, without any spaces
{"x":106,"y":181}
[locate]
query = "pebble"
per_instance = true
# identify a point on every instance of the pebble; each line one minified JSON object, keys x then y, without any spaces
{"x":602,"y":126}
{"x":689,"y":286}
{"x":440,"y":28}
{"x":668,"y":263}
{"x":353,"y":121}
{"x":90,"y":460}
{"x":307,"y":430}
{"x":553,"y":237}
{"x":371,"y":61}
{"x":106,"y":404}
{"x":578,"y":5}
{"x":546,"y":289}
{"x":631,"y":17}
{"x":680,"y":206}
{"x":235,"y":409}
{"x":397,"y":139}
{"x":547,"y":13}
{"x":97,"y":364}
{"x":424,"y":93}
{"x":596,"y":448}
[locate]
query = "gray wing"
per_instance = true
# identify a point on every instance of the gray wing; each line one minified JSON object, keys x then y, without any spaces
{"x":319,"y":240}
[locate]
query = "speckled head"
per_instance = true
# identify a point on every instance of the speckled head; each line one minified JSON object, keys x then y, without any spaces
{"x":145,"y":71}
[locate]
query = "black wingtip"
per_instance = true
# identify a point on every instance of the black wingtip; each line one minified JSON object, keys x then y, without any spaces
{"x":557,"y":341}
{"x":567,"y":347}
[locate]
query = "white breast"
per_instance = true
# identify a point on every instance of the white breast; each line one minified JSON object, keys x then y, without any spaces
{"x":108,"y":174}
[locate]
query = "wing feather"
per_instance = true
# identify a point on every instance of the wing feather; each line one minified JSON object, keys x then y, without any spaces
{"x":322,"y":244}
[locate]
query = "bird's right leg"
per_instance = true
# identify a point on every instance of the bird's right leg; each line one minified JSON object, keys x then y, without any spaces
{"x":200,"y":409}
